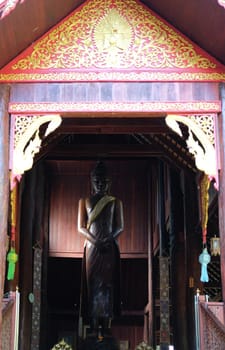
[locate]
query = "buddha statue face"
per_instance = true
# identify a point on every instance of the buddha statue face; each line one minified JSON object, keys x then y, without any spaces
{"x":100,"y":185}
{"x":99,"y":179}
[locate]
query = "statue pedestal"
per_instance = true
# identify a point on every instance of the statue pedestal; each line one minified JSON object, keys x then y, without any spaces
{"x":94,"y":343}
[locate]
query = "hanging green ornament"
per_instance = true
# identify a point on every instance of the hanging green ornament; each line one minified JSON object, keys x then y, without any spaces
{"x":12,"y":258}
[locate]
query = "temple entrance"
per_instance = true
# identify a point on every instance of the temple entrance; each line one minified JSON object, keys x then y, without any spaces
{"x":159,"y":191}
{"x":112,"y":88}
{"x":158,"y":188}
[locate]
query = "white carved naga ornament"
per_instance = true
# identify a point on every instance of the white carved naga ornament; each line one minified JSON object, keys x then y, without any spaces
{"x":26,"y":141}
{"x":200,"y":141}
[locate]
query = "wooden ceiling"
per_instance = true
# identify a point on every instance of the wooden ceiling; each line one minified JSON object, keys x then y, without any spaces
{"x":202,"y":21}
{"x":116,"y":138}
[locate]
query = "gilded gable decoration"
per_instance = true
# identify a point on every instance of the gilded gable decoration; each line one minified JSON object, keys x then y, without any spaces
{"x":113,"y":40}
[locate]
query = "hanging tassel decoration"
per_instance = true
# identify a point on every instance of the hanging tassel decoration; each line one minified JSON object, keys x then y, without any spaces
{"x":204,"y":259}
{"x":12,"y":258}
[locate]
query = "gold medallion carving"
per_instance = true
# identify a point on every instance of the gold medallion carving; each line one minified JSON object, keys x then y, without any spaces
{"x":113,"y":36}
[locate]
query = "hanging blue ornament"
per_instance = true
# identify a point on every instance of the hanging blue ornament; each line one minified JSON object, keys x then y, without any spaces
{"x":204,"y":259}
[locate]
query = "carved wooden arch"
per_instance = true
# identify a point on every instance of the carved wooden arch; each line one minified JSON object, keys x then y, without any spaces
{"x":26,"y":142}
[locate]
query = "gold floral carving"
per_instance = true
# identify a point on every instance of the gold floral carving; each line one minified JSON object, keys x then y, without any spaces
{"x":198,"y":143}
{"x":113,"y":33}
{"x":138,"y":75}
{"x":172,"y":107}
{"x":207,"y":123}
{"x":21,"y":124}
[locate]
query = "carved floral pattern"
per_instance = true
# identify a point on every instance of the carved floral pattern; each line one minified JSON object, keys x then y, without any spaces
{"x":168,"y":107}
{"x":213,"y":332}
{"x":207,"y":124}
{"x":7,"y":330}
{"x":139,"y":75}
{"x":101,"y":28}
{"x":36,"y":308}
{"x":164,"y":301}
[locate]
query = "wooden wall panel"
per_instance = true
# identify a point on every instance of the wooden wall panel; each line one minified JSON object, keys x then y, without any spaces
{"x":71,"y":181}
{"x":134,"y":334}
{"x":114,"y":92}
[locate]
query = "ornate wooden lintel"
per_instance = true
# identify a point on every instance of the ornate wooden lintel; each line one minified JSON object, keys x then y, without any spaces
{"x":26,"y":141}
{"x":187,"y":107}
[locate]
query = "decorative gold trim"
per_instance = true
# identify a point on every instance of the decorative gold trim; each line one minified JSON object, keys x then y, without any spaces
{"x":21,"y":124}
{"x":207,"y":124}
{"x":113,"y":76}
{"x":168,"y":107}
{"x":204,"y":184}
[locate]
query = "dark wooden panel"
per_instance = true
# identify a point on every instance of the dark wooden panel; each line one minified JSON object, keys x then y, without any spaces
{"x":184,"y":15}
{"x":134,"y":334}
{"x":71,"y":181}
{"x":27,"y":22}
{"x":64,"y":238}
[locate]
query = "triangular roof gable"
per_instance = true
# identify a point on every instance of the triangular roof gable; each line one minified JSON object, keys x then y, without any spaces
{"x":113,"y":40}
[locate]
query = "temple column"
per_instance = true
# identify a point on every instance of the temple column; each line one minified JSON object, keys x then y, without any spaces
{"x":178,"y":251}
{"x":222,"y":187}
{"x":4,"y":186}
